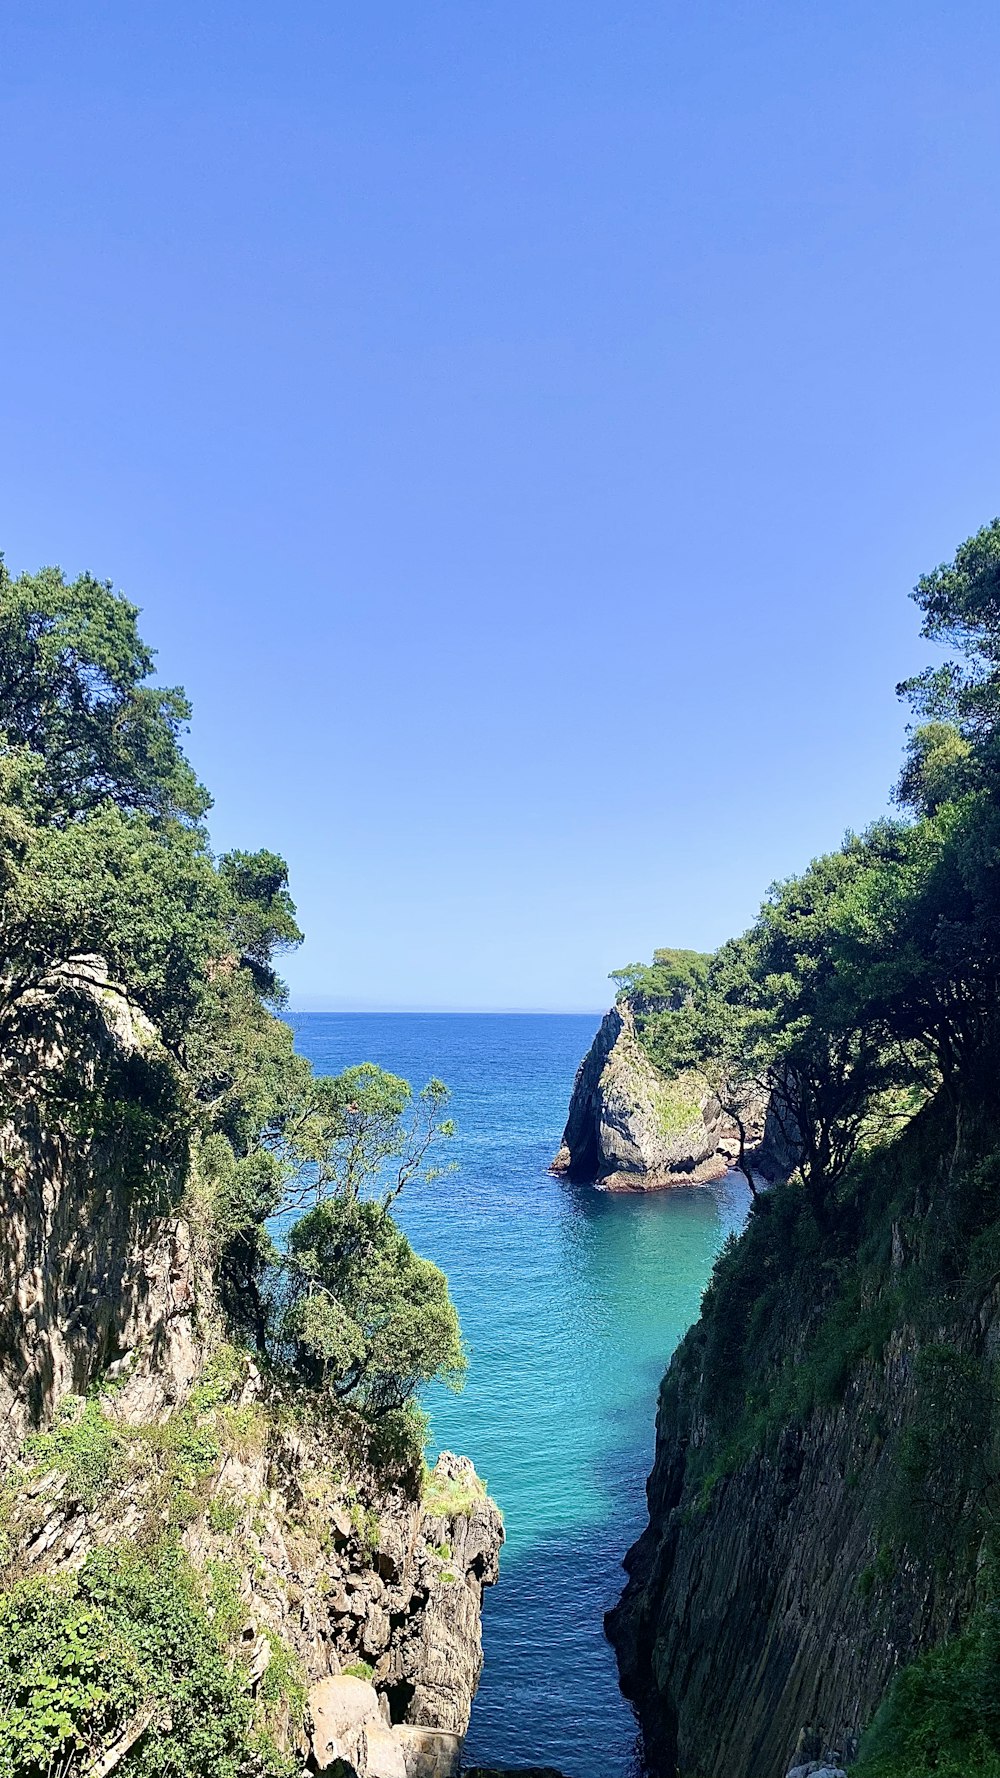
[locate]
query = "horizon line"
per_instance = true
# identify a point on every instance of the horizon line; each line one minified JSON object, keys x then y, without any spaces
{"x":296,"y":1005}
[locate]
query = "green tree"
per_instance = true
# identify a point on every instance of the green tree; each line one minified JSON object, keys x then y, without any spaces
{"x":363,"y":1317}
{"x":123,"y":1656}
{"x":939,"y":768}
{"x":147,"y":900}
{"x":360,"y":1129}
{"x":367,"y":1319}
{"x":74,"y":693}
{"x":665,"y":1000}
{"x":960,"y":601}
{"x":260,"y":916}
{"x":789,"y":1021}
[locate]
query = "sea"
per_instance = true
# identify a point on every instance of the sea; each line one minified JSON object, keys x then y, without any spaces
{"x":571,"y":1301}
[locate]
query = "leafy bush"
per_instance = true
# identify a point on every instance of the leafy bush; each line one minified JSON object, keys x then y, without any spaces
{"x":124,"y":1648}
{"x":446,"y":1497}
{"x":99,"y":1454}
{"x":942,"y":1716}
{"x":85,"y":1445}
{"x":359,"y":1670}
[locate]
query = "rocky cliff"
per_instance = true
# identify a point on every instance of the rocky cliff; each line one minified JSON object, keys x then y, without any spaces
{"x":630,"y":1128}
{"x":357,"y":1581}
{"x":823,"y":1445}
{"x":97,"y":1268}
{"x":142,"y":1423}
{"x":746,"y":1635}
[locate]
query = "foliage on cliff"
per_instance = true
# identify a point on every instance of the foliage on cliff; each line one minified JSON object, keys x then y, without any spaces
{"x":863,"y":1006}
{"x":942,"y":1715}
{"x":664,"y":997}
{"x":104,"y":853}
{"x":103,"y":849}
{"x":872,"y":981}
{"x":123,"y":1656}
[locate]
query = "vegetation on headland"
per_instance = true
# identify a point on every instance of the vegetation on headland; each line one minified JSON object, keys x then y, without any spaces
{"x":662,"y":997}
{"x":104,"y":851}
{"x":863,"y":1008}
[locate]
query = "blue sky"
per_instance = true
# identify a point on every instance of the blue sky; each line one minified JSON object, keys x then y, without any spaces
{"x":521,"y":425}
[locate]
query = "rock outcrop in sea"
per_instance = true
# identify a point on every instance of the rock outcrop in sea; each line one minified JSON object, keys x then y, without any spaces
{"x":630,"y":1128}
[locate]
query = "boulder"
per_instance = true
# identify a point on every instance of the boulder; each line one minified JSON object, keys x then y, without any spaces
{"x":342,"y":1710}
{"x":630,"y":1127}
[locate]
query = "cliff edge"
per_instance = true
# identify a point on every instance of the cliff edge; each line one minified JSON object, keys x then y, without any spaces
{"x":98,"y":1272}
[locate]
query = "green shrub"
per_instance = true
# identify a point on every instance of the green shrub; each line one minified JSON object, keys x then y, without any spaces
{"x":84,"y":1445}
{"x":941,"y":1718}
{"x":223,"y":1515}
{"x":125,"y":1644}
{"x":444,"y":1497}
{"x":365,"y":1521}
{"x":284,"y":1680}
{"x":100,"y":1455}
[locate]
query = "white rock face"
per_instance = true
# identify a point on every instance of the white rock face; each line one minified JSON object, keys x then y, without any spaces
{"x":383,"y":1754}
{"x":347,"y":1724}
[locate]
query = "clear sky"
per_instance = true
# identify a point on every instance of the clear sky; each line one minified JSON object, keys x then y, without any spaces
{"x":521,"y":424}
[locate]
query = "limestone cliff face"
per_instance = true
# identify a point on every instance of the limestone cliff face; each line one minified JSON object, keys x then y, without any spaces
{"x":745,"y":1635}
{"x":629,"y":1127}
{"x":97,"y":1269}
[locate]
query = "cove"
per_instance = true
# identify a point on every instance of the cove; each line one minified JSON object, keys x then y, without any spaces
{"x":571,"y":1303}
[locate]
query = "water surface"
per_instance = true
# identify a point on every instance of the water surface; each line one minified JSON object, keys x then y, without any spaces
{"x":571,"y":1303}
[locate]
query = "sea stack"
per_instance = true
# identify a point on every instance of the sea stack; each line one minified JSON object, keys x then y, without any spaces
{"x":632,"y":1128}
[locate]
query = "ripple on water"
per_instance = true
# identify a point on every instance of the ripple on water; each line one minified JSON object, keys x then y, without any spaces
{"x":571,"y":1303}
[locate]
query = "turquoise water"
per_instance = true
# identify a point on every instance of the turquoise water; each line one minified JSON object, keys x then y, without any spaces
{"x":571,"y":1303}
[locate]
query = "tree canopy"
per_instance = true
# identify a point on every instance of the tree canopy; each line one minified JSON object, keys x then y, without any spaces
{"x":871,"y":980}
{"x":75,"y":695}
{"x":104,"y":850}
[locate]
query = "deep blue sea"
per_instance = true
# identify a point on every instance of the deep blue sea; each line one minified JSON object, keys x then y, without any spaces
{"x":571,"y":1303}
